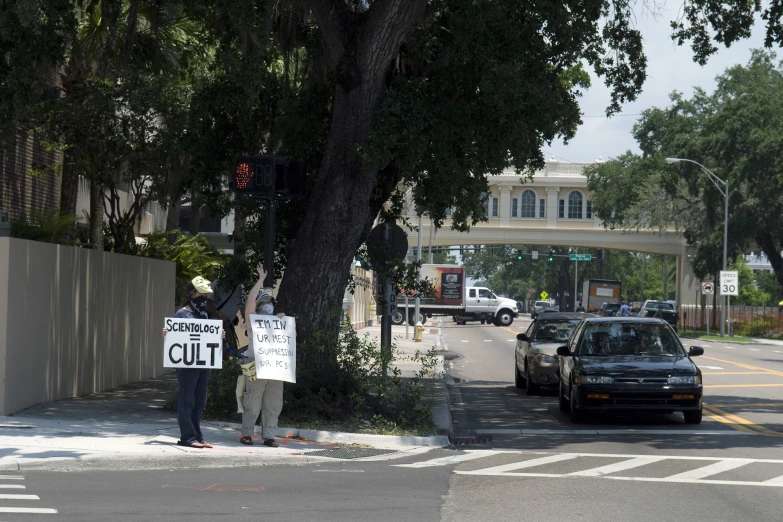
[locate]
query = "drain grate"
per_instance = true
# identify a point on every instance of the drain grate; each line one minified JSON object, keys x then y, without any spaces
{"x":349,"y":453}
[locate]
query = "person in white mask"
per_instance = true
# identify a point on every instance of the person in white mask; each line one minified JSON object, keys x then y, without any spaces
{"x":264,"y":396}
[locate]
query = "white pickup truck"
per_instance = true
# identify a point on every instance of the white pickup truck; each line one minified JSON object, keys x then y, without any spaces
{"x":481,"y":304}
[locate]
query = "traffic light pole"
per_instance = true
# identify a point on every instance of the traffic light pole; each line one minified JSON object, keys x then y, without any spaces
{"x":269,"y":242}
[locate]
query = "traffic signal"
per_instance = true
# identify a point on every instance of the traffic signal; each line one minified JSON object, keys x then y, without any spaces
{"x":599,"y":254}
{"x":551,"y":256}
{"x":519,"y":255}
{"x":269,"y":177}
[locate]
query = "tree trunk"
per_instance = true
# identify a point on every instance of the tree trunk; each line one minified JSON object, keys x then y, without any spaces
{"x":69,"y":183}
{"x":96,"y":215}
{"x":172,"y":220}
{"x":195,"y":218}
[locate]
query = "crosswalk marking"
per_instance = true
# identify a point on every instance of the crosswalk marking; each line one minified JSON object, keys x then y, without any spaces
{"x":618,"y":466}
{"x":37,"y":511}
{"x":705,"y":467}
{"x":11,"y":477}
{"x":502,"y":469}
{"x":445,"y":461}
{"x":11,"y":486}
{"x":712,"y":469}
{"x":19,"y":497}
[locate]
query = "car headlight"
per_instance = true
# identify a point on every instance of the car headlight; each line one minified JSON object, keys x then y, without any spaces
{"x":546,"y":359}
{"x":595,"y":379}
{"x":685,"y":379}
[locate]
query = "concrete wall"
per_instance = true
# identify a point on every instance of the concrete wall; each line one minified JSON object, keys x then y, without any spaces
{"x":76,"y":321}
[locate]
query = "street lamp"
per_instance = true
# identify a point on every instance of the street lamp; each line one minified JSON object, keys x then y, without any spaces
{"x":725,"y":191}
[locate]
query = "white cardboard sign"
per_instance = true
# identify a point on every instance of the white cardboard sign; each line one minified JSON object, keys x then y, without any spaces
{"x":193,"y":343}
{"x":273,"y":341}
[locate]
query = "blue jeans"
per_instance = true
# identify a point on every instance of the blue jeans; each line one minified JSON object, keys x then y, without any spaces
{"x":191,"y":403}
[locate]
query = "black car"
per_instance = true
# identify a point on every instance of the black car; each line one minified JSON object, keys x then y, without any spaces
{"x":629,"y":363}
{"x":535,"y":355}
{"x":609,"y":309}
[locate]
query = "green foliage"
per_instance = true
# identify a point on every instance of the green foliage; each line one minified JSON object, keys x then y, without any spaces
{"x":749,"y":293}
{"x":50,"y":226}
{"x":193,"y":255}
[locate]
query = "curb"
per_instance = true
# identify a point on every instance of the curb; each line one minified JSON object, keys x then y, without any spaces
{"x":383,"y":441}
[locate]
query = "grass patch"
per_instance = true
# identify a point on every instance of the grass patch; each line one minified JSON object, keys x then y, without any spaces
{"x":713,"y":337}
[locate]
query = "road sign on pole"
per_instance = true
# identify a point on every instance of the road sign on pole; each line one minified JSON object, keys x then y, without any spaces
{"x":708,"y":288}
{"x":729,"y":282}
{"x":581,"y":257}
{"x":544,"y":295}
{"x":534,"y":254}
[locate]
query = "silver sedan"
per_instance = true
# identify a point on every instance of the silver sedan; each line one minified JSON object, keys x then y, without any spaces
{"x":536,"y":350}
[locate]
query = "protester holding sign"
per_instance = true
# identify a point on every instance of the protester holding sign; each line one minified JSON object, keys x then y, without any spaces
{"x":192,"y":381}
{"x":261,"y":395}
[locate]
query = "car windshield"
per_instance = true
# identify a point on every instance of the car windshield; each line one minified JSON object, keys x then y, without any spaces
{"x":542,"y":303}
{"x":555,"y":330}
{"x":628,"y":338}
{"x":662,"y":306}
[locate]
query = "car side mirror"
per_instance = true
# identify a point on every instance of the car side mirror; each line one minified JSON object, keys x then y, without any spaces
{"x":693,"y":351}
{"x":563,"y":350}
{"x":522,"y":337}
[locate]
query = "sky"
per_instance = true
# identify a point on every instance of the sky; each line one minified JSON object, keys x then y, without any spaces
{"x":669,"y":68}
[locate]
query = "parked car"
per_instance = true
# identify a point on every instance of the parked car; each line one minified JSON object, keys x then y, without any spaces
{"x":609,"y":309}
{"x":535,"y":355}
{"x":628,"y":363}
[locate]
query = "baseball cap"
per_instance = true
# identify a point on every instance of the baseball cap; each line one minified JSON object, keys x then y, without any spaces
{"x":263,"y":297}
{"x":201,"y":285}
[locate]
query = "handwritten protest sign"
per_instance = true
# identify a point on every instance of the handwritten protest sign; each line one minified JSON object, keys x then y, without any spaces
{"x":193,"y":343}
{"x":274,"y":344}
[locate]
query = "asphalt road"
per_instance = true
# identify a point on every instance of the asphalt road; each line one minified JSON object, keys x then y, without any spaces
{"x":531,"y":464}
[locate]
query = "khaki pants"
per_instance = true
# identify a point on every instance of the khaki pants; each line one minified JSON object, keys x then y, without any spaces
{"x":264,"y":396}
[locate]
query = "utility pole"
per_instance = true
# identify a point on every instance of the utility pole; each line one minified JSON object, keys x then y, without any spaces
{"x":665,"y":278}
{"x":641,"y":292}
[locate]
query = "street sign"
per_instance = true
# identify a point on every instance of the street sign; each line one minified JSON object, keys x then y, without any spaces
{"x":708,"y":288}
{"x":544,"y":295}
{"x":729,"y":282}
{"x":581,"y":257}
{"x":535,"y":254}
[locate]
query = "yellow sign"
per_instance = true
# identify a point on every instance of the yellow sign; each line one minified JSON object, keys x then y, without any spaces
{"x":544,"y":295}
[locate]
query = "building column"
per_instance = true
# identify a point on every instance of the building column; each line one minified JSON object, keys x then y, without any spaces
{"x":551,"y":206}
{"x":505,"y":205}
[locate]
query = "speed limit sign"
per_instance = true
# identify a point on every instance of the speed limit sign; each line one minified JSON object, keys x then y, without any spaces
{"x":729,"y":282}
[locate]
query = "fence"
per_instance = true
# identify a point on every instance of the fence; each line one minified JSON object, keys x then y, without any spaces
{"x":76,"y":321}
{"x":753,"y":321}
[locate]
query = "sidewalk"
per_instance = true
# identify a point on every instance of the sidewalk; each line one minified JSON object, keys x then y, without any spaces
{"x":127,"y":428}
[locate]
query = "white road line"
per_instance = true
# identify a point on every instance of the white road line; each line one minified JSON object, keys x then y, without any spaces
{"x":711,"y":367}
{"x":754,"y":349}
{"x":712,"y":469}
{"x":11,"y":477}
{"x":618,"y":466}
{"x":775,"y":481}
{"x":11,"y":486}
{"x":516,"y":431}
{"x":511,"y":340}
{"x":487,"y":340}
{"x":778,"y":351}
{"x":445,"y":461}
{"x":730,"y":347}
{"x":501,"y":470}
{"x":39,"y":511}
{"x":19,"y":497}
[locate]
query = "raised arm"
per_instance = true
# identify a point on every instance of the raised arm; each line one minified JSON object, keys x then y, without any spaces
{"x":250,"y":305}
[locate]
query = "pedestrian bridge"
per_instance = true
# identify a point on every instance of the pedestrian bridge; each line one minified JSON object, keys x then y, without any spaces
{"x":554,"y":209}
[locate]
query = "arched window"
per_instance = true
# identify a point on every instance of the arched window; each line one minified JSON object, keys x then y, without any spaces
{"x":575,"y":205}
{"x":528,"y":204}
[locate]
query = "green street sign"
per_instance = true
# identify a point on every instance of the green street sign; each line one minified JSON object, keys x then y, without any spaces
{"x":581,"y":257}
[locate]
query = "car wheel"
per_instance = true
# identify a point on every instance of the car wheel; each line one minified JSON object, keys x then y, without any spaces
{"x":530,"y":388}
{"x":563,"y":403}
{"x":504,"y":318}
{"x":397,"y":318}
{"x":519,"y":381}
{"x":576,"y":414}
{"x":482,"y":321}
{"x":692,"y":417}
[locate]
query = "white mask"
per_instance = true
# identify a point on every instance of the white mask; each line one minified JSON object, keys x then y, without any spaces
{"x":266,"y":309}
